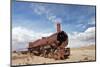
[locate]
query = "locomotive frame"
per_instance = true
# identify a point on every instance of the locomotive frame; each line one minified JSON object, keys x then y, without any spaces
{"x":52,"y":46}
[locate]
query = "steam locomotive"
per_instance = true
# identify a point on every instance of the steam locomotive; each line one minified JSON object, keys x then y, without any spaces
{"x":53,"y":46}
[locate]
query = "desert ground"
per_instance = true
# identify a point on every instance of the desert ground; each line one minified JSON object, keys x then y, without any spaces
{"x":77,"y":55}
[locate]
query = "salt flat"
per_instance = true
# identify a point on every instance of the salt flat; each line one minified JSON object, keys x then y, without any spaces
{"x":77,"y":55}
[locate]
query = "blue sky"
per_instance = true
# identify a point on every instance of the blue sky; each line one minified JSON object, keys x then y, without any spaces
{"x":74,"y":18}
{"x":31,"y":21}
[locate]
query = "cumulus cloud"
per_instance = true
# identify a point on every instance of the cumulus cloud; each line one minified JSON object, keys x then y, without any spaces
{"x":42,"y":9}
{"x":22,"y":36}
{"x":82,"y":39}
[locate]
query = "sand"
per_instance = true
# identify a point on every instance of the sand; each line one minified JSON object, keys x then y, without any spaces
{"x":77,"y":55}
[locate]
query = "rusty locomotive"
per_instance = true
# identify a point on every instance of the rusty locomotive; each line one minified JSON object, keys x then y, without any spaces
{"x":53,"y":46}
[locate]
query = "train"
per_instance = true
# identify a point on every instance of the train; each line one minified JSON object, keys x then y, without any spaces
{"x":53,"y":46}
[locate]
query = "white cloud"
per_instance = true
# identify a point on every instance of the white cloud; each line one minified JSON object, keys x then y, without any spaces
{"x":39,"y":9}
{"x":88,"y":35}
{"x":43,"y":10}
{"x":22,"y":36}
{"x":82,"y":39}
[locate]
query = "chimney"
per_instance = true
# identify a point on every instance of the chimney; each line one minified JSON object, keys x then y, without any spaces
{"x":58,"y":27}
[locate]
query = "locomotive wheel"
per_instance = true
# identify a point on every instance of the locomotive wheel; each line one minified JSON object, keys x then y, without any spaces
{"x":36,"y":53}
{"x":59,"y":54}
{"x":50,"y":55}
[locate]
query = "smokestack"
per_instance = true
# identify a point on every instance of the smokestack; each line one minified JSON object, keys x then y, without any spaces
{"x":58,"y":27}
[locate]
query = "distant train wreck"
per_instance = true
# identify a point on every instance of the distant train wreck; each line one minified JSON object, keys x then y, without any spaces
{"x":52,"y":46}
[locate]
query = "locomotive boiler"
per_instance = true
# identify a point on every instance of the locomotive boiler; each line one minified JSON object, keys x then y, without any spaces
{"x":53,"y":46}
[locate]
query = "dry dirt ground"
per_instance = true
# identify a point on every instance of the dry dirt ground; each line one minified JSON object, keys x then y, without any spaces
{"x":77,"y":55}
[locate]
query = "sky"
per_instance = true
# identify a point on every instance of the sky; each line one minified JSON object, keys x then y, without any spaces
{"x":31,"y":21}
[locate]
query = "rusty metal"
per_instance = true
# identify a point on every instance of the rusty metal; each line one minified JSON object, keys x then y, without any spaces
{"x":52,"y":46}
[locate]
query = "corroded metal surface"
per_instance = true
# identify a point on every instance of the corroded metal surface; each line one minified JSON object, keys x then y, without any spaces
{"x":52,"y":46}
